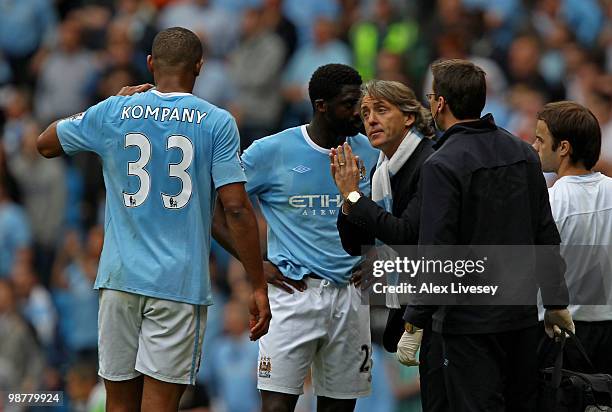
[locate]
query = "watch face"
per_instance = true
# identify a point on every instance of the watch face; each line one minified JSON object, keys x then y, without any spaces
{"x":353,"y":197}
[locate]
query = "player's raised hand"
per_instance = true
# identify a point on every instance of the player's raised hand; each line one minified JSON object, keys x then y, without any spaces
{"x":276,"y":278}
{"x":259,"y":308}
{"x":130,"y":90}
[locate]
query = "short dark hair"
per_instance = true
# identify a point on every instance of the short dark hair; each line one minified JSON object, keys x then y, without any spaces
{"x":176,"y":47}
{"x":578,"y":125}
{"x":327,"y":81}
{"x":463,"y":86}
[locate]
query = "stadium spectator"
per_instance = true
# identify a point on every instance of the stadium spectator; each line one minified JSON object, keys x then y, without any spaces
{"x":82,"y":389}
{"x":255,"y":68}
{"x":386,"y":32}
{"x":34,"y":302}
{"x":121,"y":51}
{"x":326,"y":48}
{"x":24,"y":27}
{"x":15,"y":233}
{"x":390,"y":66}
{"x":63,"y":74}
{"x":21,"y":359}
{"x":605,"y":37}
{"x":275,"y":20}
{"x":214,"y":84}
{"x":18,"y":112}
{"x":524,"y":57}
{"x":233,"y":363}
{"x":113,"y":79}
{"x":583,"y":17}
{"x":601,"y":105}
{"x":501,"y":21}
{"x":524,"y":104}
{"x":568,"y":140}
{"x":43,"y":190}
{"x":140,"y":15}
{"x":214,"y":24}
{"x":74,"y":274}
{"x":305,"y":15}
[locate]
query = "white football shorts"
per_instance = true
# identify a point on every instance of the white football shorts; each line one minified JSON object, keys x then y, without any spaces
{"x":144,"y":335}
{"x":325,"y":327}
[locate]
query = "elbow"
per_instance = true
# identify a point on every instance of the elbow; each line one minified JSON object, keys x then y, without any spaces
{"x":42,"y":148}
{"x":48,"y":144}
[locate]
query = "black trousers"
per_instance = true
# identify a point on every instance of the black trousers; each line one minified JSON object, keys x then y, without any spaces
{"x":431,"y":371}
{"x":491,"y":372}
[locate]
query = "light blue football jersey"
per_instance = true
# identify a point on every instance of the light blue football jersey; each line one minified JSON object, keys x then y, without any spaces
{"x":290,"y":176}
{"x":163,"y":156}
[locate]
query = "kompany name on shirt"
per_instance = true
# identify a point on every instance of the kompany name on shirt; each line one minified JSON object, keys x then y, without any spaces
{"x":162,"y":114}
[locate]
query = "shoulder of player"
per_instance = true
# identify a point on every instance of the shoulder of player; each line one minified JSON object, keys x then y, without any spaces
{"x":272,"y":146}
{"x":277,"y":140}
{"x":559,"y":197}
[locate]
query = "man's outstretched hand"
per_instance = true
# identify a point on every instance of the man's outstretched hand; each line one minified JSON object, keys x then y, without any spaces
{"x":259,"y":309}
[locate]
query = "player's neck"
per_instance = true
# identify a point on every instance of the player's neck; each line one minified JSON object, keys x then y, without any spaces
{"x":322,"y":135}
{"x":175,"y":84}
{"x":568,"y":169}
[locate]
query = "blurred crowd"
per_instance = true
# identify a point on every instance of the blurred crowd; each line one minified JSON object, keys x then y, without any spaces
{"x":59,"y":57}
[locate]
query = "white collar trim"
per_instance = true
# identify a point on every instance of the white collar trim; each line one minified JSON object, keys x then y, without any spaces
{"x":313,"y":144}
{"x":171,"y":94}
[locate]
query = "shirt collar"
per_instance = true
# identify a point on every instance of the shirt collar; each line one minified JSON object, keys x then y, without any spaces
{"x":485,"y":123}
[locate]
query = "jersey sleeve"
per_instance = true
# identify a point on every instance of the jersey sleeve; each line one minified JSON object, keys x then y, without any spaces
{"x":226,"y":164}
{"x":83,"y":132}
{"x":254,"y":165}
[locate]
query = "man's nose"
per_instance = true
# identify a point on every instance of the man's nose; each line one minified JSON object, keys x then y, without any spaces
{"x":371,"y":119}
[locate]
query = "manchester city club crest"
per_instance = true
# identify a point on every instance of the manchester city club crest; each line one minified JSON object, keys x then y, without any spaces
{"x":362,"y":170}
{"x":265,"y":367}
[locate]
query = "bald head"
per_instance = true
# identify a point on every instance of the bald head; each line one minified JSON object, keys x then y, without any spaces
{"x":176,"y":49}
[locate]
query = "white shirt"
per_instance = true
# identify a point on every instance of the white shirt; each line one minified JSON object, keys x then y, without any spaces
{"x":582,"y":210}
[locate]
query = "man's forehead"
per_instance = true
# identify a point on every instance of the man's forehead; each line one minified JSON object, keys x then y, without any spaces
{"x":369,"y":100}
{"x":542,"y":126}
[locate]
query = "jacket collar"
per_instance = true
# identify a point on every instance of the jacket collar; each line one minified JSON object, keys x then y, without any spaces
{"x":485,"y":124}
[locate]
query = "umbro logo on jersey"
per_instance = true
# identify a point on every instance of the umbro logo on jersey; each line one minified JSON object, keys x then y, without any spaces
{"x":301,"y":169}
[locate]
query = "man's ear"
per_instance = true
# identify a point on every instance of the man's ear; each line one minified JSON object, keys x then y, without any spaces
{"x":198,"y":67}
{"x":441,"y":104}
{"x":150,"y":63}
{"x":409,"y":121}
{"x":565,"y":148}
{"x":320,"y":105}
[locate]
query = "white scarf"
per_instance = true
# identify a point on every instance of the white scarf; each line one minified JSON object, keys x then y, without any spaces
{"x":386,"y":168}
{"x":381,"y":193}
